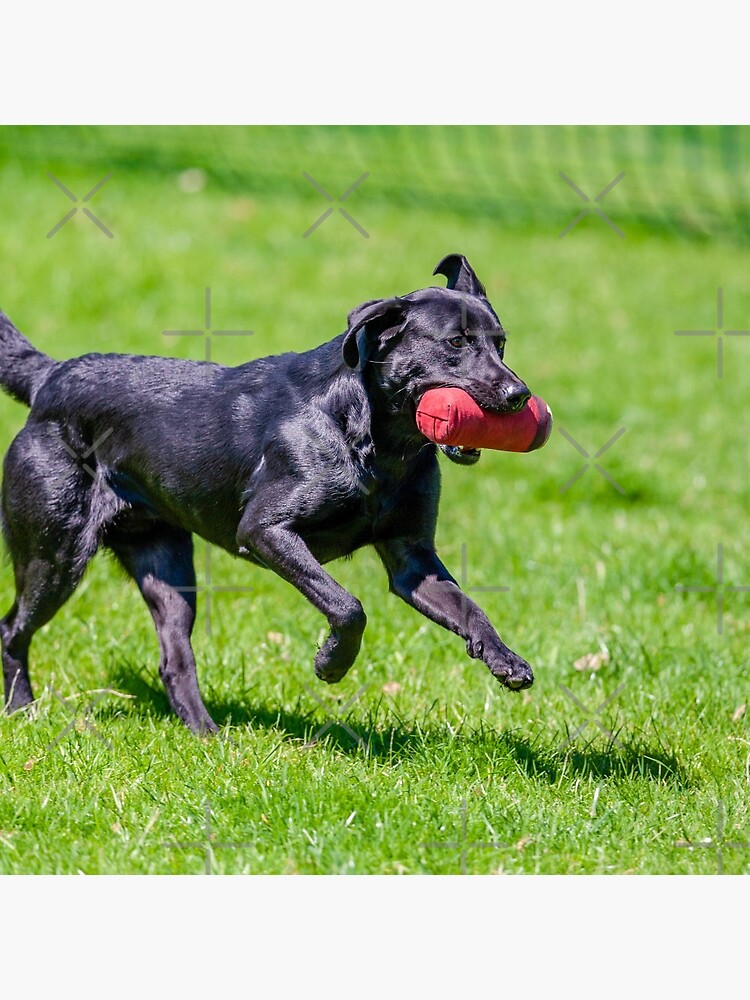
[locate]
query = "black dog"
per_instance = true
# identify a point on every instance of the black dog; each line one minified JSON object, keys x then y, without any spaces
{"x":289,"y":461}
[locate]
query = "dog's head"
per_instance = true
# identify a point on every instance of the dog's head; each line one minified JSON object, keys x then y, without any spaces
{"x":435,"y":338}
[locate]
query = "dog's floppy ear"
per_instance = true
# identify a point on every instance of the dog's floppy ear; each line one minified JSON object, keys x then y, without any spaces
{"x":368,"y":324}
{"x":460,"y":275}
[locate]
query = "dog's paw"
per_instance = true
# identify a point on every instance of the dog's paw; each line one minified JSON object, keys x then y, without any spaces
{"x":334,"y":658}
{"x":513,"y":671}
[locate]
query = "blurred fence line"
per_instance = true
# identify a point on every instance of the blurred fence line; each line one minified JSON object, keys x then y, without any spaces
{"x":691,"y":180}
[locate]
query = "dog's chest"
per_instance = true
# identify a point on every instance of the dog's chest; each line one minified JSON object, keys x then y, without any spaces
{"x":376,"y":512}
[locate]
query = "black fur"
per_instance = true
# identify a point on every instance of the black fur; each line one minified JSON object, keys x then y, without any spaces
{"x":289,"y":462}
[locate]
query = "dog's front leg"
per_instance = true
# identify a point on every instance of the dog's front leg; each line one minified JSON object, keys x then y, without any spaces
{"x":419,"y":578}
{"x":283,"y":551}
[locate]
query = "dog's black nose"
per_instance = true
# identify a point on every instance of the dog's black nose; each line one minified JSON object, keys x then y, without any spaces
{"x":516,"y":397}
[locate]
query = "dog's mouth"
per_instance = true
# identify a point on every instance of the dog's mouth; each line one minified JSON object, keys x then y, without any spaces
{"x":459,"y":455}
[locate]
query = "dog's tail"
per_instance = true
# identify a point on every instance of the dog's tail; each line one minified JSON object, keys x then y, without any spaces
{"x":22,"y":367}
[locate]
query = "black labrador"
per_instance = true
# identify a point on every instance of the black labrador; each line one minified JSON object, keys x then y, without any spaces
{"x":288,"y":461}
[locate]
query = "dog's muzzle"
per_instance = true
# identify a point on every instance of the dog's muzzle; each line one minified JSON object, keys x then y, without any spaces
{"x":459,"y":455}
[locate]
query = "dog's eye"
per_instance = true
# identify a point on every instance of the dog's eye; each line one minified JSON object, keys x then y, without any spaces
{"x":456,"y":341}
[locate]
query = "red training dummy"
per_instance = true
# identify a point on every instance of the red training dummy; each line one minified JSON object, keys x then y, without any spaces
{"x":451,"y":417}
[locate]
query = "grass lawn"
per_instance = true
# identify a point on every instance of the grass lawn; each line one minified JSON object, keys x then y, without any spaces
{"x":434,"y":768}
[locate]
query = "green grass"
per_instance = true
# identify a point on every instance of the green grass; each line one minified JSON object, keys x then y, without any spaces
{"x":591,"y":320}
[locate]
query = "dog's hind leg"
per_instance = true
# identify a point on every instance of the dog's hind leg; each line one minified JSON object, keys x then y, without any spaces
{"x":160,"y":560}
{"x":48,"y":582}
{"x":46,"y":507}
{"x":15,"y":656}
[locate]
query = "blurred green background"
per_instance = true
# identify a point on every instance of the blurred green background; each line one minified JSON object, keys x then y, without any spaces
{"x":591,"y":317}
{"x":686,"y":180}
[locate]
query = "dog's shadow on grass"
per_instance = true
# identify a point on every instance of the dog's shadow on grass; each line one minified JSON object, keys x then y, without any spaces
{"x":306,"y":727}
{"x":545,"y":757}
{"x":628,"y":758}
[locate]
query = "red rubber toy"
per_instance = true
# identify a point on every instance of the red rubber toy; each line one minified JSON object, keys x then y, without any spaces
{"x":451,"y":417}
